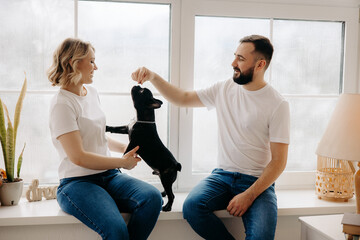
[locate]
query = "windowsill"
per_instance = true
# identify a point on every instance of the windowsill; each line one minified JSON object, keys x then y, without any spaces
{"x":290,"y":203}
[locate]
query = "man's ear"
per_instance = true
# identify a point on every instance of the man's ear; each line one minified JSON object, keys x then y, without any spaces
{"x":261,"y":64}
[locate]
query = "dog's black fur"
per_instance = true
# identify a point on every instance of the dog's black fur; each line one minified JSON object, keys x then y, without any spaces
{"x":144,"y":134}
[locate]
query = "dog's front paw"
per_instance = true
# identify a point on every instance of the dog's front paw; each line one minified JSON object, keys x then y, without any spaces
{"x":163,"y":194}
{"x":166,"y":208}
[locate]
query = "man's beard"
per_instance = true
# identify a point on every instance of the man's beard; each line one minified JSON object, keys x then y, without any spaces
{"x":245,"y":77}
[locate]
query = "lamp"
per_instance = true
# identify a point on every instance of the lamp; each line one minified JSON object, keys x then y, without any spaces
{"x":339,"y":147}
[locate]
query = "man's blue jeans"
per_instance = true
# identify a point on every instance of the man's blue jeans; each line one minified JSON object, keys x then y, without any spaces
{"x":98,"y":201}
{"x":215,"y":192}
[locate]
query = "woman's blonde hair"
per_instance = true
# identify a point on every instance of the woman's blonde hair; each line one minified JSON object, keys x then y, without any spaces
{"x":66,"y":58}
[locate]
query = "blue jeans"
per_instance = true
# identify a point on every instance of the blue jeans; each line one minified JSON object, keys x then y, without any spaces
{"x":98,"y":201}
{"x":215,"y":192}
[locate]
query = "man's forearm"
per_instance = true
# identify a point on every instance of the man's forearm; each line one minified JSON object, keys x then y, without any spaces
{"x":272,"y":171}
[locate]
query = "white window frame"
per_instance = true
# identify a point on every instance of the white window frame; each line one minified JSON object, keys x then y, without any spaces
{"x":221,"y":8}
{"x":181,"y":72}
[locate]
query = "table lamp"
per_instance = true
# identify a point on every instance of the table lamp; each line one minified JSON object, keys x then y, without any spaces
{"x":339,"y":147}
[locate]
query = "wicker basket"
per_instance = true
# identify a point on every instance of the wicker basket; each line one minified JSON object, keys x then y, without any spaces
{"x":334,"y":179}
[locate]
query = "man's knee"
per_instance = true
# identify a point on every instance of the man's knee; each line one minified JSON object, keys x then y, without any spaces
{"x":193,"y":206}
{"x":260,"y":233}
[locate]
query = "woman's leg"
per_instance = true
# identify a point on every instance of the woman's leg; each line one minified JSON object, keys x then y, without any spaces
{"x":139,"y":198}
{"x":209,"y":195}
{"x":91,"y":204}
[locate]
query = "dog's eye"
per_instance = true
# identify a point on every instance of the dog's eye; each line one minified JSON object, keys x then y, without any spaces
{"x":142,"y":90}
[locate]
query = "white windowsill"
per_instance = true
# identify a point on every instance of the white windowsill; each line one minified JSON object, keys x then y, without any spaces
{"x":290,"y":203}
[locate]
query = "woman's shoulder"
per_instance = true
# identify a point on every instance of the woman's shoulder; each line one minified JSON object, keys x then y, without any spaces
{"x":90,"y":89}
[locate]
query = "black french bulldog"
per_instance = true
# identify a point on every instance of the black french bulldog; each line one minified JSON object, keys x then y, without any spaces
{"x":143,"y":133}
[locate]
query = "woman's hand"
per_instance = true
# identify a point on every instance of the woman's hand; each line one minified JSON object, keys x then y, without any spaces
{"x":131,"y":159}
{"x":142,"y":75}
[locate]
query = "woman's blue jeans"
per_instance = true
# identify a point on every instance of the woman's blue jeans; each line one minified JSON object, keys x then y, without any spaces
{"x":98,"y":201}
{"x":215,"y":192}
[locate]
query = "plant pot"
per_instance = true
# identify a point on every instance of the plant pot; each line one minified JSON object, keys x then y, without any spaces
{"x":10,"y":193}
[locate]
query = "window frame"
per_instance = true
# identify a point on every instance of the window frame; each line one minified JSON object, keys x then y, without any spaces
{"x":191,"y":9}
{"x":181,"y":66}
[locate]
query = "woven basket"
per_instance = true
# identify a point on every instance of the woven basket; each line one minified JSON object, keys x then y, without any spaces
{"x":334,"y":179}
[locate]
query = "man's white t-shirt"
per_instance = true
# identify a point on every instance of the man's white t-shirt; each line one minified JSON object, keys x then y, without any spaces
{"x":70,"y":112}
{"x":247,"y":122}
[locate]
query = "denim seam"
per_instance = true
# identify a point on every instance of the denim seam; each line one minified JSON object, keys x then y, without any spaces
{"x":131,"y":199}
{"x":82,"y":213}
{"x":212,"y":199}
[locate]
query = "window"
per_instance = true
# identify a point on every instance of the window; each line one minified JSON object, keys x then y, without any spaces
{"x":30,"y":32}
{"x":297,"y":71}
{"x":310,"y":67}
{"x":190,"y":44}
{"x":125,"y":36}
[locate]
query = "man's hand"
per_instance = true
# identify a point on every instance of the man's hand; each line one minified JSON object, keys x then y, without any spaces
{"x":240,"y":204}
{"x":142,"y":75}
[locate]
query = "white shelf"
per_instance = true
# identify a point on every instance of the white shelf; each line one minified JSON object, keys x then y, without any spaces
{"x":290,"y":203}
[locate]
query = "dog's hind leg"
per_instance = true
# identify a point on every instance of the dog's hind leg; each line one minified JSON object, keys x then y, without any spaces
{"x":167,"y":179}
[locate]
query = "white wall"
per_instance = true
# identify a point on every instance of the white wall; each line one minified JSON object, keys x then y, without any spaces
{"x":288,"y":228}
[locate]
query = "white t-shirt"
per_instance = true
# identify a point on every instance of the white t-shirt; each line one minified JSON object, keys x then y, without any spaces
{"x":247,"y":122}
{"x":70,"y":112}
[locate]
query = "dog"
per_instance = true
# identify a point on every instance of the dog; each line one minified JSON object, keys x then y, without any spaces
{"x":143,"y":133}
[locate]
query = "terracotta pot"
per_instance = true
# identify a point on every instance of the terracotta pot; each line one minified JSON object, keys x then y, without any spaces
{"x":10,"y":193}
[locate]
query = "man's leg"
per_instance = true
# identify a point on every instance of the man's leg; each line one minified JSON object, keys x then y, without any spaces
{"x":209,"y":195}
{"x":261,"y":218}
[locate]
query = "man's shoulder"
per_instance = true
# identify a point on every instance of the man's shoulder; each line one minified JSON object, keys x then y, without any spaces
{"x":275,"y":94}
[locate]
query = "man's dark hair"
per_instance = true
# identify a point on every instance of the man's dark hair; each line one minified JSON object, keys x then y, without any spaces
{"x":262,"y":45}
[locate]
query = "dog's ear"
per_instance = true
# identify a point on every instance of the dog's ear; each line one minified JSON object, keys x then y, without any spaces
{"x":156,"y":103}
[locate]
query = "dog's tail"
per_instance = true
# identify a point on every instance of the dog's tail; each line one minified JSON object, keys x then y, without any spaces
{"x":178,"y":167}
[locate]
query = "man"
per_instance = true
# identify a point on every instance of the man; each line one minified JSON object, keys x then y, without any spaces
{"x":254,"y":123}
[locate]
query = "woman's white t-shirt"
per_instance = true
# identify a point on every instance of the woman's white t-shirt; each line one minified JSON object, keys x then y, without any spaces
{"x":70,"y":112}
{"x":247,"y":122}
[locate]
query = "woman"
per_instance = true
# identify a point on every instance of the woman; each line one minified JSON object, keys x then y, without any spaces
{"x":91,"y":187}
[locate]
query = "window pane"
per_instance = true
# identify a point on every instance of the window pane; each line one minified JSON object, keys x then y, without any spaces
{"x":30,"y":32}
{"x":307,"y":60}
{"x":309,"y":118}
{"x":307,"y":57}
{"x":126,"y":36}
{"x":216,"y":40}
{"x":40,"y":159}
{"x":204,"y":140}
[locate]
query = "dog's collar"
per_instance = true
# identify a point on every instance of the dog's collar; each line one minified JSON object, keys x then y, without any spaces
{"x":150,"y":122}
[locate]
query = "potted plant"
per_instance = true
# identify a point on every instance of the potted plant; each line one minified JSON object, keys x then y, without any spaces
{"x":11,"y":189}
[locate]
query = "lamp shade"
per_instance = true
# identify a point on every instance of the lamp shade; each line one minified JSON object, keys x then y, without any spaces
{"x":341,"y":139}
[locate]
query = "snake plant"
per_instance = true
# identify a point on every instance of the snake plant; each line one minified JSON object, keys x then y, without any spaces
{"x":8,"y":136}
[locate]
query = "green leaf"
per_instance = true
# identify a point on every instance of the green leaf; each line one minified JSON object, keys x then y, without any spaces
{"x":18,"y":108}
{"x":20,"y":161}
{"x":3,"y":131}
{"x":10,"y":158}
